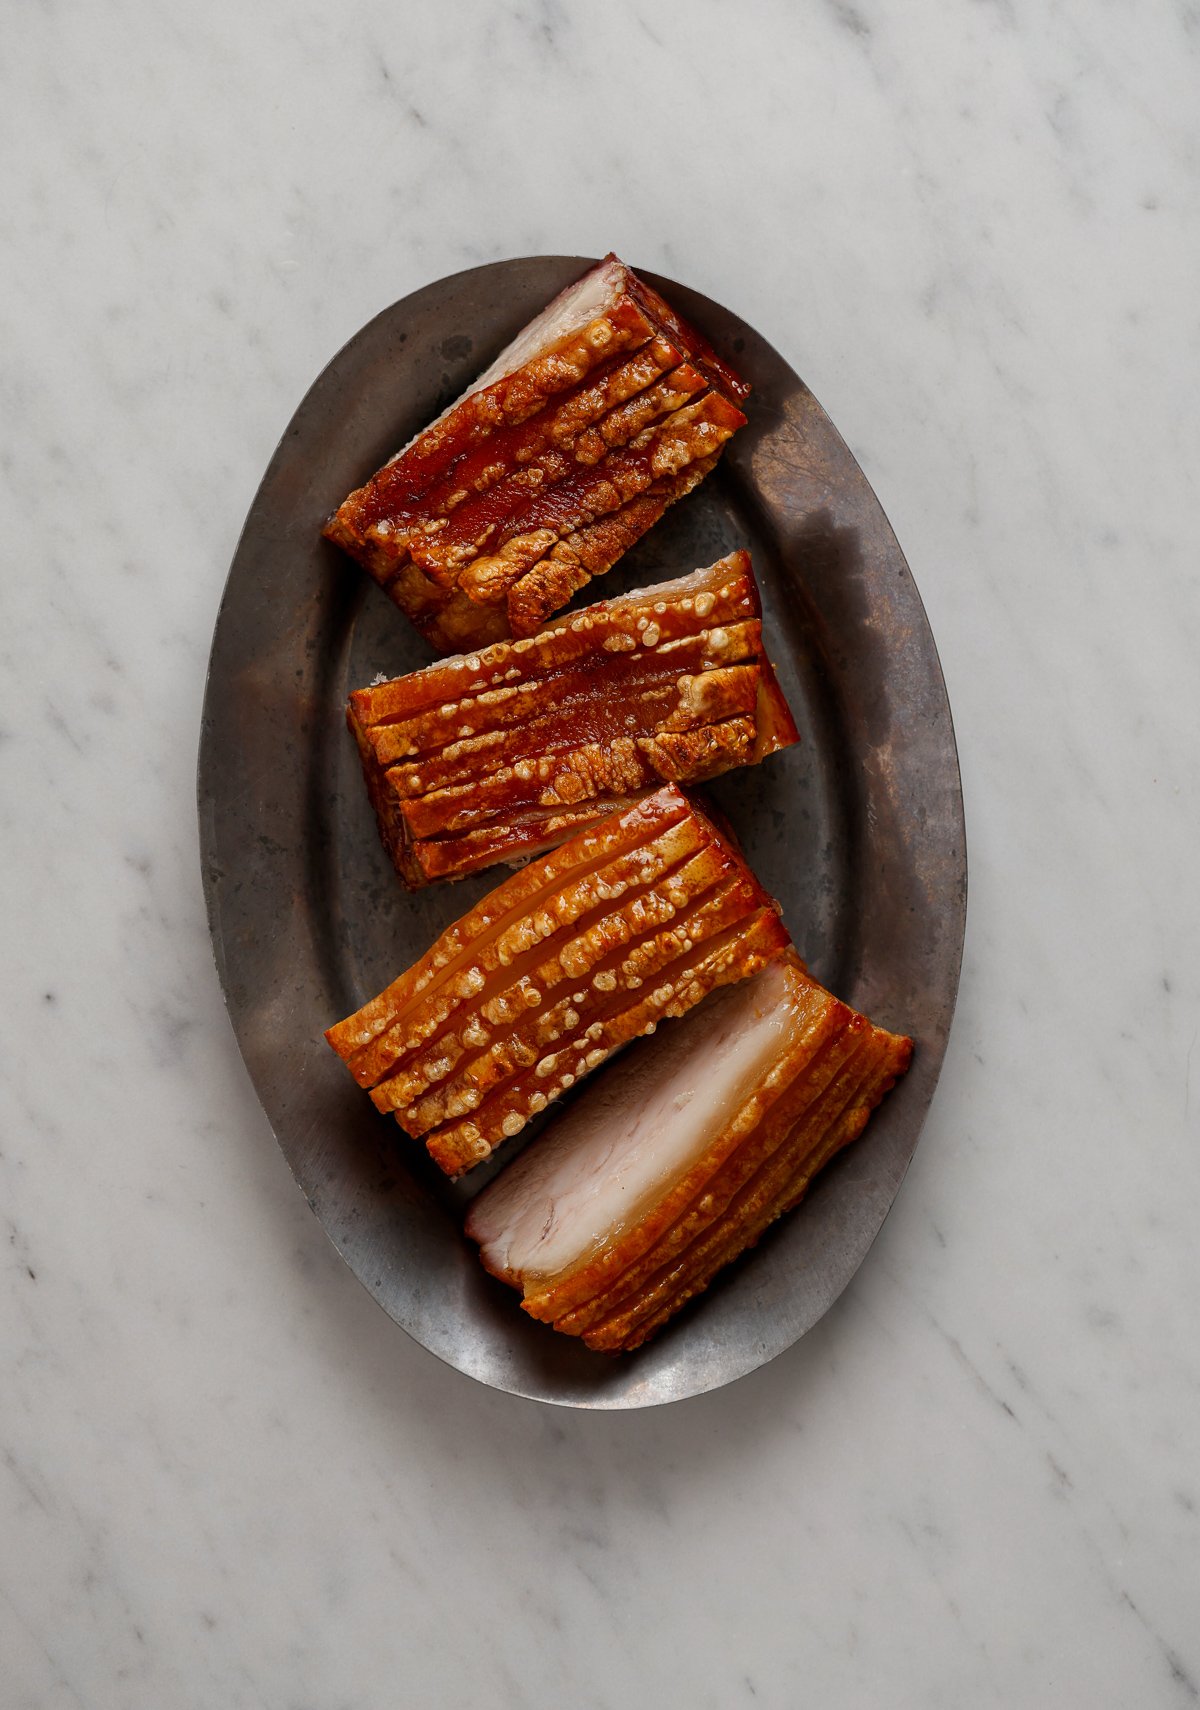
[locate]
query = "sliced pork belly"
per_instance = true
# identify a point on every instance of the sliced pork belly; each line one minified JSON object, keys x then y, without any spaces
{"x":499,"y":755}
{"x":674,"y":1163}
{"x":634,"y":920}
{"x":605,"y":410}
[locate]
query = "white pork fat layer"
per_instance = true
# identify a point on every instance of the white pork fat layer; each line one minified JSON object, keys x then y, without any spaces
{"x":569,"y":312}
{"x":634,"y":1134}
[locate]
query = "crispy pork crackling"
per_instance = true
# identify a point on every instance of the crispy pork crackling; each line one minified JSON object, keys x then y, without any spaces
{"x":604,"y":411}
{"x":497,"y":755}
{"x":676,"y":1161}
{"x":634,"y":920}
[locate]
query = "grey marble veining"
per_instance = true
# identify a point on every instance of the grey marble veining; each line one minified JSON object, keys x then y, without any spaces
{"x":225,"y":1478}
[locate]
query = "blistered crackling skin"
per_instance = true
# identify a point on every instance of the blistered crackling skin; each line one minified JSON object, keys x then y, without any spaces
{"x":614,"y":950}
{"x":561,"y":1007}
{"x":722,"y":594}
{"x":693,"y":433}
{"x":381,"y":512}
{"x":509,"y":901}
{"x":544,"y":716}
{"x":627,"y":665}
{"x":507,"y":959}
{"x":557,"y":429}
{"x":446,"y":542}
{"x":730,"y":578}
{"x":572,"y":562}
{"x":522,"y":969}
{"x":736,"y":955}
{"x":504,"y":953}
{"x":605,"y":704}
{"x":616,"y":765}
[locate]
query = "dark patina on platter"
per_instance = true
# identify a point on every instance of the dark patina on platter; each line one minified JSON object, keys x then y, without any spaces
{"x":858,"y":830}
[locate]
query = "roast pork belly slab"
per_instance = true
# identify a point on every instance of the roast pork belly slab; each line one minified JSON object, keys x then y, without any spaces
{"x":498,"y":755}
{"x":632,"y":921}
{"x":605,"y":410}
{"x":676,"y":1161}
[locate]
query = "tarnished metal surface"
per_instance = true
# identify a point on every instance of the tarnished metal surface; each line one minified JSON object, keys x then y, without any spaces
{"x":858,"y":830}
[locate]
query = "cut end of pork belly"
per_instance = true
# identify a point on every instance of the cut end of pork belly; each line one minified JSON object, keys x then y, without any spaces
{"x":668,"y":1169}
{"x":632,"y":922}
{"x":498,"y":755}
{"x":605,"y":410}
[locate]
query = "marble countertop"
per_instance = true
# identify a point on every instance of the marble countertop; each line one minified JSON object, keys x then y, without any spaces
{"x":226,"y":1479}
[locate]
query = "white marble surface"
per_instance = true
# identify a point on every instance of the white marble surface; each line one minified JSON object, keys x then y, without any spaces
{"x":225,"y":1478}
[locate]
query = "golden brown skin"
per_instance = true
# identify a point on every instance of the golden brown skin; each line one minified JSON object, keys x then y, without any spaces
{"x":815,"y":1099}
{"x":589,"y":551}
{"x":634,"y":920}
{"x":494,"y":516}
{"x":498,"y":755}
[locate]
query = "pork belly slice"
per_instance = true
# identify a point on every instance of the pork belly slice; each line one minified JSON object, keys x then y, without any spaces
{"x":635,"y":920}
{"x":495,"y":756}
{"x":604,"y":411}
{"x":672,"y":1166}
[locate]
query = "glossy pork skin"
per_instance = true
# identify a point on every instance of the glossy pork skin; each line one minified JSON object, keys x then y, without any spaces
{"x":604,"y":411}
{"x":667,"y":1170}
{"x":496,"y":756}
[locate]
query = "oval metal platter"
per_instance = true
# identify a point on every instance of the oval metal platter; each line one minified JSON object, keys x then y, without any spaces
{"x":858,"y":830}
